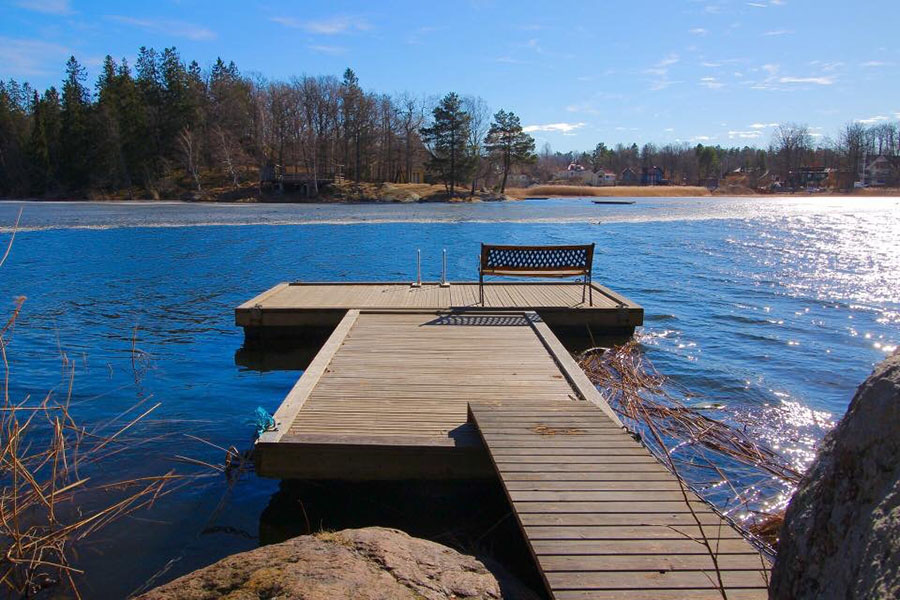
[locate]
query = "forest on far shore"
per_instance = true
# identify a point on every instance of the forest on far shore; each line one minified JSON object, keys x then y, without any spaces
{"x":166,"y":128}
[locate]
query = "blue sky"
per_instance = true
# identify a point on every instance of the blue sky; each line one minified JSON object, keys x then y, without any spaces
{"x":710,"y":71}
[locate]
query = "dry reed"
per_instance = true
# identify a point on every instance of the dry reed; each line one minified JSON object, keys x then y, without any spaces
{"x":618,"y":191}
{"x":53,"y":492}
{"x":716,"y":454}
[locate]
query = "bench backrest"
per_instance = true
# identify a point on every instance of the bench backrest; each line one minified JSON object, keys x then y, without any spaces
{"x":537,"y":261}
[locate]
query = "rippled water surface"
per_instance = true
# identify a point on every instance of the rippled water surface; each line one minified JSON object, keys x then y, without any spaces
{"x":776,"y":308}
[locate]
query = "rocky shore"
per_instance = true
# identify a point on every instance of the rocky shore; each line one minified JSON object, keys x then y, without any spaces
{"x":841,"y":535}
{"x":373,"y":563}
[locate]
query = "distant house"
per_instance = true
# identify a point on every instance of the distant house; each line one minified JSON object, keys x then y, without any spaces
{"x":417,"y":175}
{"x":577,"y":174}
{"x":605,"y":178}
{"x":653,"y":176}
{"x":629,"y":177}
{"x":883,"y":171}
{"x":518,"y":180}
{"x":809,"y":177}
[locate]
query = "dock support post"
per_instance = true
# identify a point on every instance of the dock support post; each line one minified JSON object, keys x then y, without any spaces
{"x":444,"y":282}
{"x":418,"y":282}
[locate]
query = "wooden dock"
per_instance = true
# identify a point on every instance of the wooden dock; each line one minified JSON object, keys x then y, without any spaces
{"x":289,"y":308}
{"x":602,"y":517}
{"x":387,"y":396}
{"x":426,"y":384}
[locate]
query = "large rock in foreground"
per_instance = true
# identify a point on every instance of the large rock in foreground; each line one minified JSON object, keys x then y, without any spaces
{"x":369,"y":564}
{"x":841,"y":536}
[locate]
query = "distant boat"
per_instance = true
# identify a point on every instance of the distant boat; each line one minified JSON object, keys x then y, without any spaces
{"x":614,"y":201}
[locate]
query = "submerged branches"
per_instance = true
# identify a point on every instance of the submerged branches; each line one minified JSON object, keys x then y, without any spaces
{"x":717,"y":456}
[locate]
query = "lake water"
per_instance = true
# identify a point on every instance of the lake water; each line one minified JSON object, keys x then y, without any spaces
{"x":777,"y":308}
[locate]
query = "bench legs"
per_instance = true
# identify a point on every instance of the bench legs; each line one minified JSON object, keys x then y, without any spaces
{"x":481,"y":288}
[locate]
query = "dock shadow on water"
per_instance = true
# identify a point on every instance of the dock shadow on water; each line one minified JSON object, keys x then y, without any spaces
{"x":471,"y":516}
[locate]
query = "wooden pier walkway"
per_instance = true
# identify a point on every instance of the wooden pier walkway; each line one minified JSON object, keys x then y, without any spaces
{"x":291,"y":306}
{"x":416,"y":392}
{"x":391,"y":391}
{"x":603,"y":518}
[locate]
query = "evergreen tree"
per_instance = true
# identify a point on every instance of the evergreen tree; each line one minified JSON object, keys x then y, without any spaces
{"x":13,"y":127}
{"x":447,"y":140}
{"x":507,"y":140}
{"x":75,"y":132}
{"x":150,"y":90}
{"x":43,"y":145}
{"x":109,"y":164}
{"x":351,"y":107}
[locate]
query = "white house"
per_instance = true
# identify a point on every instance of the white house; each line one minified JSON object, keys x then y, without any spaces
{"x":577,"y":174}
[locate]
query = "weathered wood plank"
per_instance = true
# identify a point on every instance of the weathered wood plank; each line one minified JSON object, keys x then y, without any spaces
{"x":601,"y":514}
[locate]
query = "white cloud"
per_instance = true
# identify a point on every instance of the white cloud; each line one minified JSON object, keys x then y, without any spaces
{"x":558,"y":127}
{"x":49,"y":7}
{"x":669,"y":129}
{"x":711,"y":65}
{"x":510,"y":60}
{"x":163,"y":26}
{"x":873,"y":120}
{"x":758,"y":4}
{"x":745,"y":135}
{"x":698,"y":31}
{"x":701,"y":138}
{"x":763,"y":125}
{"x":872,"y":64}
{"x":815,"y":80}
{"x":331,"y":26}
{"x":28,"y":58}
{"x":779,"y":32}
{"x":660,"y":71}
{"x":331,"y":50}
{"x":419,"y":35}
{"x":669,"y":60}
{"x":711,"y":83}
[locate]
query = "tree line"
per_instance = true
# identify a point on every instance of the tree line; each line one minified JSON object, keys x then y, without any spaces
{"x":165,"y":125}
{"x":791,"y":147}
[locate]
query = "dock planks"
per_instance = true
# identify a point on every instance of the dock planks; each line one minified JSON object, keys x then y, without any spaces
{"x":393,"y":388}
{"x":603,"y":518}
{"x":414,"y":392}
{"x":302,"y":304}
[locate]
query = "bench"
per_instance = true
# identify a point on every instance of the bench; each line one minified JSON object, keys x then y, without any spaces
{"x":537,"y":261}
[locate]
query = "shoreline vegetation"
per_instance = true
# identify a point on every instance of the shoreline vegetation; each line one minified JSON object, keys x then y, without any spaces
{"x":165,"y":128}
{"x":406,"y":193}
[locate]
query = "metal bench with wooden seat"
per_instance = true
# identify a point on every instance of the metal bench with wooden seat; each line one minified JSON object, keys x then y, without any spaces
{"x":537,"y":261}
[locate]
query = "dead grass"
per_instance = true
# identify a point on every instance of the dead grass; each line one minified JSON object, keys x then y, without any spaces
{"x":53,"y":492}
{"x":684,"y":437}
{"x":618,"y":191}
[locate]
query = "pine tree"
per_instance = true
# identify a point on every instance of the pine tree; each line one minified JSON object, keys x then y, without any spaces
{"x":13,"y":126}
{"x":352,"y":108}
{"x":507,"y":140}
{"x":150,"y":90}
{"x":75,"y":136}
{"x":447,"y":140}
{"x":43,"y":145}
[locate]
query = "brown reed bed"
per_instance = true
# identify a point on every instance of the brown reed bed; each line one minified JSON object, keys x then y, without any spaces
{"x":53,"y":490}
{"x":717,"y":454}
{"x":618,"y":191}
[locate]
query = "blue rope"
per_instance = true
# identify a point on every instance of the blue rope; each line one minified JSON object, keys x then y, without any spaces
{"x":263,"y":420}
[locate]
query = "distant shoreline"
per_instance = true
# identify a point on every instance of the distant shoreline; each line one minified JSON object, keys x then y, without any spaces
{"x":398,"y":193}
